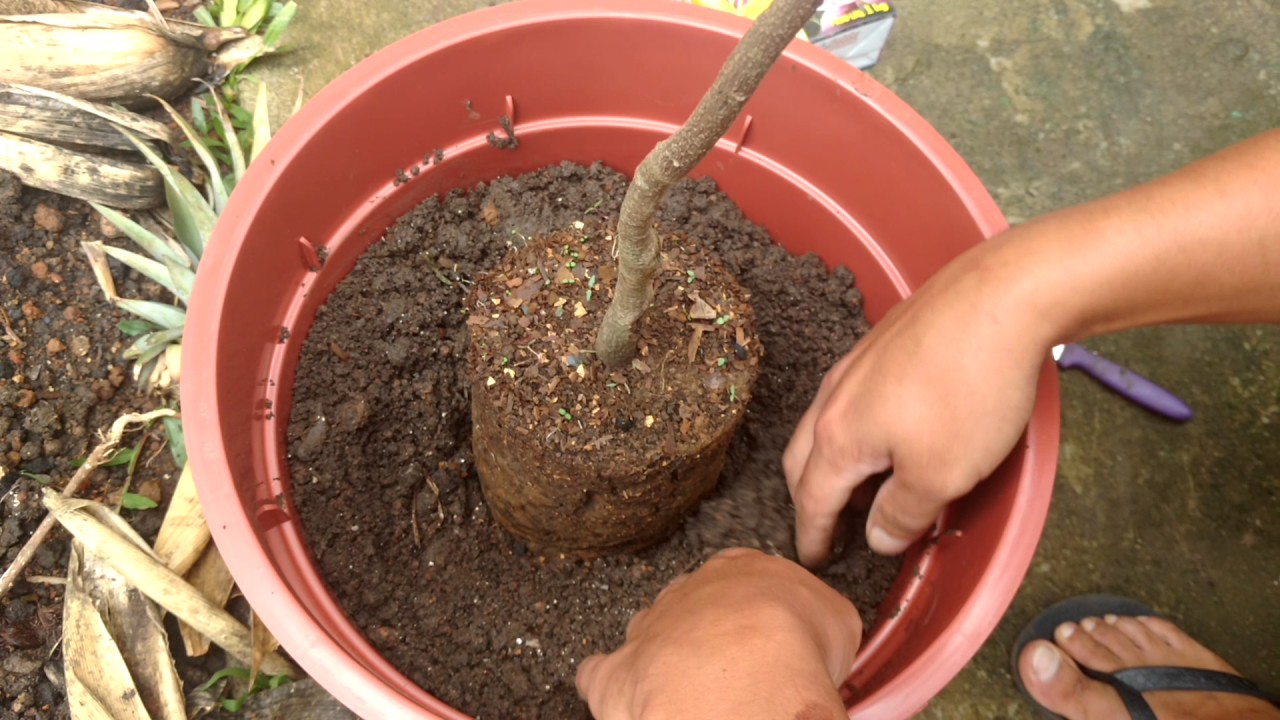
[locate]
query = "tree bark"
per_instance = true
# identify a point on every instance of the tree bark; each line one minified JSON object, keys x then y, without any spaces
{"x":673,"y":158}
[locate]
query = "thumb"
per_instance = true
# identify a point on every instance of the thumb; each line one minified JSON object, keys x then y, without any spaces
{"x":902,"y":512}
{"x":588,"y":670}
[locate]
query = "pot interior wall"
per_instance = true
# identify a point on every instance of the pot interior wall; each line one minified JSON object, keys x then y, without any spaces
{"x":830,"y":162}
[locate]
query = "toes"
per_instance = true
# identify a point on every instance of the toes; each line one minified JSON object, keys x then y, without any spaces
{"x":1139,"y":634}
{"x":1167,"y":632}
{"x":1055,"y":681}
{"x":1182,"y":649}
{"x":1105,"y":632}
{"x":1079,"y":642}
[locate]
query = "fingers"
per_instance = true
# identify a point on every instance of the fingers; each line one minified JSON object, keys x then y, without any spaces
{"x":823,"y":491}
{"x":901,"y":513}
{"x":837,"y":464}
{"x":588,"y":676}
{"x":800,"y":446}
{"x":798,"y":449}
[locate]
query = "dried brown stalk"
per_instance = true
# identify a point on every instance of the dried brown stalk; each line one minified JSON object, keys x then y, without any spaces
{"x":96,"y":458}
{"x":639,"y":251}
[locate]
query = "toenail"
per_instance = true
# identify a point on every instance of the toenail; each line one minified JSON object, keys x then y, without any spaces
{"x":1064,"y":631}
{"x":1110,"y":619}
{"x":1089,"y":624}
{"x":1044,"y":662}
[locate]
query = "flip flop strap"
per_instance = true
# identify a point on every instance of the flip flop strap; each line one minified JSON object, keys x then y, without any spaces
{"x":1132,"y":698}
{"x":1156,"y":679}
{"x":1131,"y":683}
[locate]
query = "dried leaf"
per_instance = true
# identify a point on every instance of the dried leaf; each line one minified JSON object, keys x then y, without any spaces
{"x":700,"y":310}
{"x":61,"y":119}
{"x":264,"y":643}
{"x":107,"y":59}
{"x":694,"y":343}
{"x":84,"y":520}
{"x":95,"y":178}
{"x":211,"y":577}
{"x":184,"y":534}
{"x":101,"y":270}
{"x":132,"y":666}
{"x":489,"y":213}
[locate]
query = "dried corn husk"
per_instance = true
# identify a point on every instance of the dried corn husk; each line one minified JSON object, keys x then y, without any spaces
{"x":89,"y":523}
{"x":106,"y":180}
{"x":64,"y":120}
{"x":106,"y":54}
{"x":130,"y":661}
{"x":77,"y":148}
{"x":184,"y":532}
{"x":213,"y":579}
{"x":31,"y":7}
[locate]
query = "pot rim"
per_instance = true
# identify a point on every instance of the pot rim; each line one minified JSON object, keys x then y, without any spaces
{"x":361,"y":688}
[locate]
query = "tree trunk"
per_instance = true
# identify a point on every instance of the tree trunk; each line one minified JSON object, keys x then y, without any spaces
{"x":673,"y":158}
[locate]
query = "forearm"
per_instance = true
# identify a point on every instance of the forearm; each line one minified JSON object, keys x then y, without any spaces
{"x":1199,"y":245}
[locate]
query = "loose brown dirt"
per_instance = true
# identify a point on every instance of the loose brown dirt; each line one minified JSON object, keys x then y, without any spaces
{"x":381,"y":463}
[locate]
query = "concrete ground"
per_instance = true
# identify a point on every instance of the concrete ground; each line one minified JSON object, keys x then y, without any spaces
{"x":1054,"y":102}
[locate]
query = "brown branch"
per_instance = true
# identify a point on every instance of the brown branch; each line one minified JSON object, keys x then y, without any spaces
{"x":673,"y":158}
{"x":99,"y":455}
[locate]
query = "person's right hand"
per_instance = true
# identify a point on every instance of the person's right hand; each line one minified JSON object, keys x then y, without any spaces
{"x":747,"y":635}
{"x":939,"y":392}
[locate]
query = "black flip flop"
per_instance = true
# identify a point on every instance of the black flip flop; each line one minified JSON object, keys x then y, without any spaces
{"x":1130,"y":683}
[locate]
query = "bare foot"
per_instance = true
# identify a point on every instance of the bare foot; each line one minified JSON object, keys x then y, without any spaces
{"x":1109,"y":644}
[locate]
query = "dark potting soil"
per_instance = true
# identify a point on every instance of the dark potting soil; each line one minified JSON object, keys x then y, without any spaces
{"x":381,"y":464}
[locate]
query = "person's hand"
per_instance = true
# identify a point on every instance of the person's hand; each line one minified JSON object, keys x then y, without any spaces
{"x":938,"y":393}
{"x":748,"y":635}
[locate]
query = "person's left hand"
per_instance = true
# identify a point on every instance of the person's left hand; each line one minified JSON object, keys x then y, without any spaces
{"x":748,"y":635}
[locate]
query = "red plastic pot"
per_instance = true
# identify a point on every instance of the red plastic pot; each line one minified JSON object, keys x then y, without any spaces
{"x":829,"y":162}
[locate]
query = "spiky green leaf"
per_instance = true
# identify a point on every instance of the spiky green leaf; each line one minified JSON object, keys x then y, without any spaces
{"x":177,"y":440}
{"x":148,"y":267}
{"x":145,"y":365}
{"x":183,"y":279}
{"x":204,"y":17}
{"x":158,"y":339}
{"x":133,"y":328}
{"x":198,"y":117}
{"x":261,"y":123}
{"x":230,"y":8}
{"x":232,"y":139}
{"x":254,"y":14}
{"x":166,"y":316}
{"x":153,"y":244}
{"x":197,"y":144}
{"x":193,"y":219}
{"x":134,"y":501}
{"x":123,"y":456}
{"x":275,"y":29}
{"x":239,"y":116}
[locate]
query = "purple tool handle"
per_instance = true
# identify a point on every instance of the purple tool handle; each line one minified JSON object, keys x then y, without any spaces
{"x":1125,"y":382}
